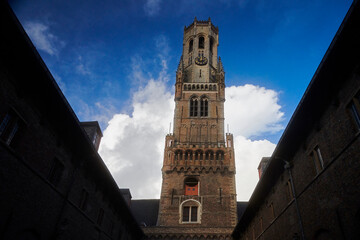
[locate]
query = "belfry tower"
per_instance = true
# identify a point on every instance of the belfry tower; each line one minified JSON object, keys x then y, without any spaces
{"x":198,"y":196}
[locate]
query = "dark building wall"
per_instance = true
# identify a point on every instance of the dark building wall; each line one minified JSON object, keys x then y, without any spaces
{"x":324,"y":202}
{"x":53,"y":184}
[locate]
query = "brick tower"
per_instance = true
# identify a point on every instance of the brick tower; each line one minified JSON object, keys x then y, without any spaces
{"x":198,"y":196}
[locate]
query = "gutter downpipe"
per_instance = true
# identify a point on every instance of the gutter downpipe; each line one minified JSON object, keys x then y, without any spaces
{"x":288,"y":167}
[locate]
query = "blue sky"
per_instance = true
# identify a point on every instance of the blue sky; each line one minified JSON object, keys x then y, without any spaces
{"x":113,"y":60}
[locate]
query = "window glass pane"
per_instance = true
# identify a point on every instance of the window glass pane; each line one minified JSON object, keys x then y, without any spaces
{"x":4,"y":123}
{"x":194,"y":214}
{"x":356,"y":114}
{"x":186,"y":214}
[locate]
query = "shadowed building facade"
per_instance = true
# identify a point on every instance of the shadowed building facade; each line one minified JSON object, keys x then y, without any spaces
{"x":198,"y":196}
{"x":310,"y":186}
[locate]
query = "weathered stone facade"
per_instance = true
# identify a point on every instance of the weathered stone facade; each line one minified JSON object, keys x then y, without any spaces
{"x":198,"y":195}
{"x":311,"y":186}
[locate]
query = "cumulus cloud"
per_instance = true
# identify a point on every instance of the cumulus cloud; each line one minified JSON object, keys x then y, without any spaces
{"x":152,"y":7}
{"x":252,"y":110}
{"x":42,"y":38}
{"x":133,"y":145}
{"x":248,"y":155}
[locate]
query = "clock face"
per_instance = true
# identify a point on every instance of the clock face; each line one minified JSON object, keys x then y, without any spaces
{"x":201,"y":60}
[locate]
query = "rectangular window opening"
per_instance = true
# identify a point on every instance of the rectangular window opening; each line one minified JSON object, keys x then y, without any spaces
{"x":56,"y":172}
{"x":194,"y":211}
{"x":10,"y":126}
{"x":186,"y":212}
{"x":318,"y":160}
{"x":355,"y":109}
{"x":83,"y":200}
{"x":100,"y":216}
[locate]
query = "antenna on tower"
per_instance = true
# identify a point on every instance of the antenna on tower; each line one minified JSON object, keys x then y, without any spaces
{"x":228,"y":128}
{"x":170,"y":128}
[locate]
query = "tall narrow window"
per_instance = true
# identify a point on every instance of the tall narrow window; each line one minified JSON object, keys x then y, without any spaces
{"x":318,"y":160}
{"x":211,"y":45}
{"x":191,"y":43}
{"x":204,"y":107}
{"x":83,"y":200}
{"x":10,"y":125}
{"x":186,"y":211}
{"x":219,"y":155}
{"x":272,"y":212}
{"x":355,"y":109}
{"x":356,"y":114}
{"x":193,"y":107}
{"x":201,"y":42}
{"x":289,"y":190}
{"x":56,"y":172}
{"x":211,"y":155}
{"x":100,"y":217}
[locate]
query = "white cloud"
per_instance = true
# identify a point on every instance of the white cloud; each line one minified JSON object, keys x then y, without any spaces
{"x":248,"y":155}
{"x":43,"y":39}
{"x":152,"y":7}
{"x":252,"y":110}
{"x":132,"y":146}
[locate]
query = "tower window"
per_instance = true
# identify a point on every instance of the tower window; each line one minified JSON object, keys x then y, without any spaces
{"x":219,"y":155}
{"x":204,"y":107}
{"x":193,"y":107}
{"x":209,"y":155}
{"x":198,"y":155}
{"x":190,"y":212}
{"x":178,"y":155}
{"x":188,"y":155}
{"x":191,"y":43}
{"x":201,"y":42}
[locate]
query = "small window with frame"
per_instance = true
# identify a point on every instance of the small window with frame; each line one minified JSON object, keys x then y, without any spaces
{"x":190,"y":212}
{"x":317,"y":159}
{"x":56,"y":172}
{"x":11,"y":126}
{"x":355,"y":110}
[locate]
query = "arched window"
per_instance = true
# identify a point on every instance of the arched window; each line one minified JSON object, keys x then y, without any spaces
{"x":204,"y":107}
{"x":219,"y":155}
{"x":193,"y":107}
{"x":191,"y":43}
{"x":190,"y":211}
{"x":209,"y":155}
{"x":191,"y":185}
{"x":178,"y":155}
{"x":188,"y":155}
{"x":198,"y":155}
{"x":201,"y":42}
